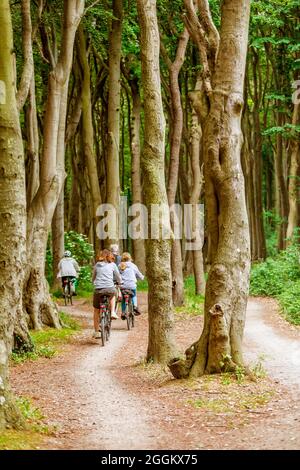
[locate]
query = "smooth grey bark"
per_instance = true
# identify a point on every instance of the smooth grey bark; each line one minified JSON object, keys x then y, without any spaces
{"x":136,"y":183}
{"x":220,"y":345}
{"x":161,"y":346}
{"x":113,"y":120}
{"x":12,"y":213}
{"x":37,"y":299}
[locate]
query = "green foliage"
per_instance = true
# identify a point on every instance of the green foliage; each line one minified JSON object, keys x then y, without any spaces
{"x":80,"y":247}
{"x":271,"y":222}
{"x":20,"y":440}
{"x":42,"y":351}
{"x":289,"y":300}
{"x":29,"y":411}
{"x":83,"y":252}
{"x":193,"y":303}
{"x":288,"y":131}
{"x":279,"y":277}
{"x":31,"y":436}
{"x":85,"y":280}
{"x":142,"y":285}
{"x":240,"y":374}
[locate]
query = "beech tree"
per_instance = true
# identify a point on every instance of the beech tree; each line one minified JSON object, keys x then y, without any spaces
{"x":12,"y":212}
{"x":220,"y":345}
{"x":113,"y":119}
{"x":39,"y":305}
{"x":161,"y":343}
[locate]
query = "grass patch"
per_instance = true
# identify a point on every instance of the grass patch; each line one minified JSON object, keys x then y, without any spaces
{"x":20,"y":440}
{"x":47,"y":342}
{"x":81,"y":293}
{"x":35,"y":429}
{"x":85,"y":294}
{"x":216,"y":405}
{"x":246,"y":401}
{"x":142,"y":286}
{"x":251,"y":402}
{"x":193,"y":303}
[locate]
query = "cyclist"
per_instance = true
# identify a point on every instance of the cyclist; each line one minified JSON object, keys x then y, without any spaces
{"x":68,"y":269}
{"x":105,"y":275}
{"x":130,"y":273}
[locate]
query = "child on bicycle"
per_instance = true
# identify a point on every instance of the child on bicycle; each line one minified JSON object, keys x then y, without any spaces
{"x":105,"y":275}
{"x":129,"y":273}
{"x":68,"y":269}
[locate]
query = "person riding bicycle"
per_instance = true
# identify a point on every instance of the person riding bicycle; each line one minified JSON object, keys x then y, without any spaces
{"x":129,"y":273}
{"x":105,"y":275}
{"x":68,"y":270}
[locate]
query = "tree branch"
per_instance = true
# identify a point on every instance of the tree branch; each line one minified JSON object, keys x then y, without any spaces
{"x":91,"y":6}
{"x":27,"y":72}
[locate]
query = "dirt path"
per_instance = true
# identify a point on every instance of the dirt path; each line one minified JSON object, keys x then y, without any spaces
{"x":270,"y":339}
{"x":97,"y":400}
{"x":87,"y":405}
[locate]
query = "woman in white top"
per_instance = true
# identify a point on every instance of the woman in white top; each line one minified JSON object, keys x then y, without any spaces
{"x":105,"y":275}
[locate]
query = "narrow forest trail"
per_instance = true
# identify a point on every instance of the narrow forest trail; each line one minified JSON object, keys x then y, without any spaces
{"x":86,"y":393}
{"x":87,"y":405}
{"x":270,"y":339}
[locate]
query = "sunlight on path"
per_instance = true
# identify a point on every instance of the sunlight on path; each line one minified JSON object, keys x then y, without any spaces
{"x":118,"y":420}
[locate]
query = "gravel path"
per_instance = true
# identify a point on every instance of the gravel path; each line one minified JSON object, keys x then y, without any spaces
{"x":83,"y":394}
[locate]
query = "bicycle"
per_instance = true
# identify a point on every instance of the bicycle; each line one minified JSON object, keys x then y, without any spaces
{"x":68,"y":290}
{"x":129,"y":313}
{"x":105,"y":318}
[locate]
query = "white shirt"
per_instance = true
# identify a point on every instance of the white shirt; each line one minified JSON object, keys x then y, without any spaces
{"x":68,"y":267}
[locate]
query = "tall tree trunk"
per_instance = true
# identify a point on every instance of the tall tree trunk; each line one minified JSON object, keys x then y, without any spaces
{"x":160,"y":343}
{"x":87,"y":128}
{"x":37,"y":300}
{"x":136,"y":183}
{"x":175,"y":145}
{"x":198,"y":267}
{"x":294,"y":184}
{"x":114,"y":92}
{"x":248,"y":167}
{"x":258,"y":176}
{"x":220,"y":345}
{"x":27,"y":72}
{"x":58,"y":237}
{"x":33,"y":164}
{"x":281,"y":186}
{"x":74,"y":203}
{"x":199,"y":109}
{"x":12,"y":212}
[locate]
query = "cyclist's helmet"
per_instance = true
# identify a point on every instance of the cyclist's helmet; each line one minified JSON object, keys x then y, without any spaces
{"x":67,"y":254}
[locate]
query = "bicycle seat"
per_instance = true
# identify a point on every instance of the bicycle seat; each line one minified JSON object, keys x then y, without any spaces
{"x":127,"y":292}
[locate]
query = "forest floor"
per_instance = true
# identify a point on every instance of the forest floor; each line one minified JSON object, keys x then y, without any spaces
{"x":108,"y":398}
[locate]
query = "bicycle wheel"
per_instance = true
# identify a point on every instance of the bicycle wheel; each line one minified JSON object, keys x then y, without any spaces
{"x":103,"y":329}
{"x":117,"y":308}
{"x":132,"y":315}
{"x":66,"y":294}
{"x":108,"y":326}
{"x":127,"y":313}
